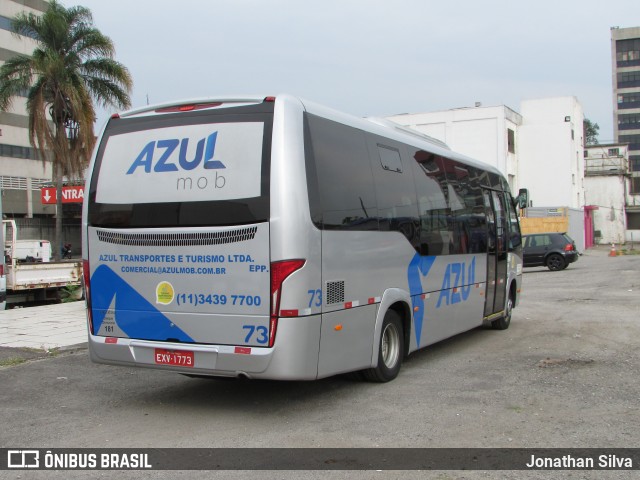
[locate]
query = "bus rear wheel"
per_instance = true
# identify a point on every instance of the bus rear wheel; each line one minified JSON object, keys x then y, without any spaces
{"x":390,"y":350}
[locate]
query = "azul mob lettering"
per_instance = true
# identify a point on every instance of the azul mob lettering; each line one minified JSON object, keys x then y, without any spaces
{"x":455,"y":288}
{"x":158,"y":155}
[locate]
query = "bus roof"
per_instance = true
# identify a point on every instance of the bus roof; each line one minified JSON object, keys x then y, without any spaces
{"x":379,"y":126}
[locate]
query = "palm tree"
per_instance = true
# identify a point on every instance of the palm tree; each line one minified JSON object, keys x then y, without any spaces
{"x":72,"y":66}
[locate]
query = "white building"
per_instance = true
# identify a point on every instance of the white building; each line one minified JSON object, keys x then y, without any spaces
{"x":607,"y":187}
{"x":551,"y":152}
{"x":488,"y":134}
{"x":540,"y":148}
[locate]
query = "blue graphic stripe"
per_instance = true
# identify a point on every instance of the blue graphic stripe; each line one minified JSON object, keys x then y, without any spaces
{"x":419,"y":267}
{"x":134,"y":315}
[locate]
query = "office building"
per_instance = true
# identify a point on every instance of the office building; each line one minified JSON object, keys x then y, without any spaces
{"x":625,"y":62}
{"x":21,"y":172}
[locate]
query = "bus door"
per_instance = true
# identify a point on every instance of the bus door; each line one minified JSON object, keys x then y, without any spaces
{"x":496,"y":252}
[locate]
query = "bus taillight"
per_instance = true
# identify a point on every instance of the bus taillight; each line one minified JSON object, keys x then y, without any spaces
{"x":279,"y":273}
{"x":86,"y":275}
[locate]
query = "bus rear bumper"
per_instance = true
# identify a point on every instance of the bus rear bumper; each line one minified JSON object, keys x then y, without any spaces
{"x":293,"y":357}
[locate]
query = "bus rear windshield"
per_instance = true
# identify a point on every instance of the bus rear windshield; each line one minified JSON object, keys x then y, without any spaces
{"x":207,"y":168}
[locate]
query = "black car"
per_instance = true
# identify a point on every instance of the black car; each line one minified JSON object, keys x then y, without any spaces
{"x":552,"y":250}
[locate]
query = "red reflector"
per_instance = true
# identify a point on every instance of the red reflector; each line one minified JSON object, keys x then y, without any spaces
{"x":348,"y":305}
{"x":288,"y":313}
{"x":568,"y":247}
{"x":111,"y":340}
{"x":242,"y":350}
{"x":372,"y":300}
{"x":269,"y":99}
{"x":1,"y":270}
{"x":188,"y":107}
{"x":115,"y":115}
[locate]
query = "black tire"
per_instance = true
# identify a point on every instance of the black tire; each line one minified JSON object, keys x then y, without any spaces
{"x":555,"y":262}
{"x":503,"y":322}
{"x":390,"y":350}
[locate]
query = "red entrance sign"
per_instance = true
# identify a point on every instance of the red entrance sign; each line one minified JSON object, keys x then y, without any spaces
{"x":70,"y":194}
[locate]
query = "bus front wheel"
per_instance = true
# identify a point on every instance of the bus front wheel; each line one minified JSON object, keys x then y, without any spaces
{"x":390,"y":350}
{"x":504,"y":322}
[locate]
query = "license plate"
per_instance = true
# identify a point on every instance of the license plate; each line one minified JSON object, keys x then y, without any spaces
{"x":181,"y":358}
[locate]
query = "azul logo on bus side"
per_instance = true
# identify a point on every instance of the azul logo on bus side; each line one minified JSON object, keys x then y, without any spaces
{"x":456,"y":286}
{"x":165,"y":161}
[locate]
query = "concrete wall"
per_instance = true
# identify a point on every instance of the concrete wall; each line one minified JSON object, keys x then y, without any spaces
{"x":608,"y":194}
{"x":44,"y":229}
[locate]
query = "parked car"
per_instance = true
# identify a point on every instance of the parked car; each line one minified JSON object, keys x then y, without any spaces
{"x":552,"y":250}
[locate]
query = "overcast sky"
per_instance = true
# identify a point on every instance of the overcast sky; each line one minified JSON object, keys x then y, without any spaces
{"x":370,"y":57}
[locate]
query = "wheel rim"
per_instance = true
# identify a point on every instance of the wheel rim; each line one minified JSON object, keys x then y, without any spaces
{"x":507,"y":316}
{"x":555,"y":262}
{"x":390,"y":346}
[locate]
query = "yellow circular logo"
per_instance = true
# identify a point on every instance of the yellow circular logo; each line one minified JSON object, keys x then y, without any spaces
{"x":164,"y":293}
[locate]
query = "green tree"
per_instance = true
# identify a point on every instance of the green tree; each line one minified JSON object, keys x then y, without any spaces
{"x":591,"y":131}
{"x":72,"y":66}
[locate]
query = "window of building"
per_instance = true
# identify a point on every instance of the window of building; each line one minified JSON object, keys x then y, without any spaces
{"x":629,"y":121}
{"x":586,"y":153}
{"x":6,"y":24}
{"x":635,"y":186}
{"x":633,"y":220}
{"x":628,"y":52}
{"x":511,"y":141}
{"x":16,"y":151}
{"x":632,"y":140}
{"x":629,"y":100}
{"x":628,"y":79}
{"x":634,"y":163}
{"x":613,"y":152}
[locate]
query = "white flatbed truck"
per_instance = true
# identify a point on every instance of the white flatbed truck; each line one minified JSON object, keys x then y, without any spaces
{"x":32,"y":281}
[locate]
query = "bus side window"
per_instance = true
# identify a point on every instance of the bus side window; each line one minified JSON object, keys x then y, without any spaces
{"x":395,"y":190}
{"x":343,"y":169}
{"x":433,"y":207}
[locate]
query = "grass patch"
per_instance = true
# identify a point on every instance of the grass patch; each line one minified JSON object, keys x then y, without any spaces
{"x":12,"y":361}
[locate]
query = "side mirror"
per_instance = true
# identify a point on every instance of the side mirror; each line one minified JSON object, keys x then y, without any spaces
{"x":522,"y":200}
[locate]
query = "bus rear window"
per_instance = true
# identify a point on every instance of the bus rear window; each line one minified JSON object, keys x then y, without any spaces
{"x":196,"y":169}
